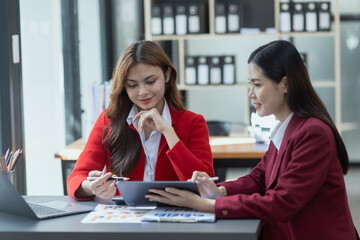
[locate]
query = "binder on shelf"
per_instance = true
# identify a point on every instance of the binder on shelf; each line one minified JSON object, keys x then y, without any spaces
{"x":229,"y":69}
{"x":220,"y":18}
{"x":190,"y":70}
{"x":285,"y":17}
{"x":233,"y":16}
{"x":311,"y":17}
{"x":298,"y":21}
{"x":156,"y":22}
{"x":180,"y":20}
{"x":168,"y":20}
{"x":203,"y":71}
{"x":215,"y":70}
{"x":324,"y":16}
{"x":196,"y":18}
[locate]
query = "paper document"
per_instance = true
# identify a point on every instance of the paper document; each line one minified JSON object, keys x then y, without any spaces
{"x":172,"y":214}
{"x":115,"y":214}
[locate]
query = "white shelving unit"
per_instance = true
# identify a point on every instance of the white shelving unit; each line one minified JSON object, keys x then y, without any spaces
{"x":321,"y":83}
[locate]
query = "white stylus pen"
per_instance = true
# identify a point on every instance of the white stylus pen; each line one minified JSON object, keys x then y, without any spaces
{"x":109,"y":179}
{"x":212,"y":179}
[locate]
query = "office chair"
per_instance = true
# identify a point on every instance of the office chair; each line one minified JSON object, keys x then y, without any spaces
{"x":219,"y":128}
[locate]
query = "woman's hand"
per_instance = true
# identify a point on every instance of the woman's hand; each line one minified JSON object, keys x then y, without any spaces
{"x":98,"y":187}
{"x":156,"y":122}
{"x":181,"y":198}
{"x":207,"y":187}
{"x":152,"y":119}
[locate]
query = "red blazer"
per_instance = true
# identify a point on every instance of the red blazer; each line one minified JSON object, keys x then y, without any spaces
{"x":191,"y":153}
{"x":305,"y":198}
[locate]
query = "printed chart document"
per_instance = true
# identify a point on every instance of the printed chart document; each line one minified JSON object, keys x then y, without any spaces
{"x":115,"y":214}
{"x":171,"y":214}
{"x":123,"y":214}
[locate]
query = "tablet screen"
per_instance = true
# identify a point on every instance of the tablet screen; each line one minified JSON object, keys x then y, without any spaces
{"x":134,"y":192}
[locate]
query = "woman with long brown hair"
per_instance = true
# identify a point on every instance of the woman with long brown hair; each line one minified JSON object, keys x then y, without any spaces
{"x":298,"y":188}
{"x":145,"y":133}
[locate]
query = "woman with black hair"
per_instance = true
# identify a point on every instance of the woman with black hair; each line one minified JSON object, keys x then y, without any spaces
{"x":298,"y":188}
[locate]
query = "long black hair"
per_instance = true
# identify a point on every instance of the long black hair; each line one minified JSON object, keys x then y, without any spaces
{"x":279,"y":59}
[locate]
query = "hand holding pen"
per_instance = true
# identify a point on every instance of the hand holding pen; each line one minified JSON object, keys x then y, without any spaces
{"x":101,"y":185}
{"x":206,"y":185}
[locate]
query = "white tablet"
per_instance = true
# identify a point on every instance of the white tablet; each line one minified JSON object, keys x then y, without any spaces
{"x":134,"y":192}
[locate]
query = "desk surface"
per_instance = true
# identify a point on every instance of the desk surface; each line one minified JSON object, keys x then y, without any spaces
{"x":15,"y":227}
{"x":221,"y":147}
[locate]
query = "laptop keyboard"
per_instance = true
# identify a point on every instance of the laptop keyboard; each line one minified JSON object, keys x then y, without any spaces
{"x":43,"y":210}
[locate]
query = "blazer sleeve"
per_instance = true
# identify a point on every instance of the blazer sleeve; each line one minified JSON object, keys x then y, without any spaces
{"x":93,"y":157}
{"x":250,"y":183}
{"x":306,"y":171}
{"x":194,"y":152}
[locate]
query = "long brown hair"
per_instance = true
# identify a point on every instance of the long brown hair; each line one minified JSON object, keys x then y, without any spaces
{"x":123,"y":142}
{"x":280,"y":58}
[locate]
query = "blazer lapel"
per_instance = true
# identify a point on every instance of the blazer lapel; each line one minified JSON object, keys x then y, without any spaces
{"x":290,"y":131}
{"x":272,"y":153}
{"x":277,"y":162}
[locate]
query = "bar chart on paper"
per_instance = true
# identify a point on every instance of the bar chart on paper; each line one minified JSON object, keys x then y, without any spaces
{"x":115,"y":214}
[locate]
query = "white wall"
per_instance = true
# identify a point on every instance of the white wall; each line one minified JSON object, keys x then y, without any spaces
{"x":349,"y":6}
{"x":43,"y":92}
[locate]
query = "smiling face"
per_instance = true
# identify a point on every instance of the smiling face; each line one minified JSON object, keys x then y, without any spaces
{"x":145,"y":86}
{"x":267,"y":96}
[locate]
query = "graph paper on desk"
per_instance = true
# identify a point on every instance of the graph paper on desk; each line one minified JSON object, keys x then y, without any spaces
{"x":115,"y":214}
{"x":172,"y":214}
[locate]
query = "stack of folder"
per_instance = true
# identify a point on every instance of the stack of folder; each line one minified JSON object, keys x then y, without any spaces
{"x":179,"y":18}
{"x":305,"y":16}
{"x":228,"y":17}
{"x":205,"y":70}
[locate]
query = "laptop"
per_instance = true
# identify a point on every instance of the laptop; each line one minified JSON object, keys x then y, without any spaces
{"x":133,"y":192}
{"x":12,"y":202}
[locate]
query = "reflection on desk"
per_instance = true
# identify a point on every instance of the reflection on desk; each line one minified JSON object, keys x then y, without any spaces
{"x":16,"y":227}
{"x":228,"y":152}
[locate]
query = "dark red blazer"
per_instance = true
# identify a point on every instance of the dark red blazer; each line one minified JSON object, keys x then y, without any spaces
{"x":191,"y":153}
{"x":305,"y":198}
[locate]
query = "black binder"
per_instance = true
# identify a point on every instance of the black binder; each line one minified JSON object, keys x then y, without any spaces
{"x":311,"y":17}
{"x":156,"y":21}
{"x":197,"y":18}
{"x":234,"y":14}
{"x":168,"y":20}
{"x":203,"y":70}
{"x":298,"y":17}
{"x":220,"y":18}
{"x":324,"y":20}
{"x":180,"y":20}
{"x":285,"y":17}
{"x":191,"y":70}
{"x":228,"y":69}
{"x":215,"y":70}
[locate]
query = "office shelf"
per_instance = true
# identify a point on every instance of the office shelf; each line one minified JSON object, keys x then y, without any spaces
{"x":182,"y":40}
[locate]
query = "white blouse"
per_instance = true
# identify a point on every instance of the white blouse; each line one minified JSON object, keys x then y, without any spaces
{"x":151,"y":146}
